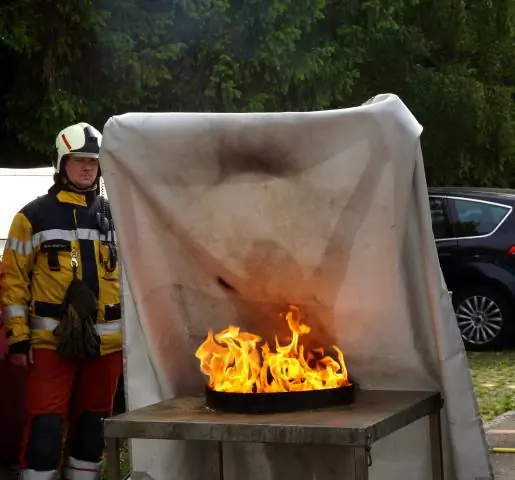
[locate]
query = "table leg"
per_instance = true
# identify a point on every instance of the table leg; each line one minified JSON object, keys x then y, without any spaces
{"x":221,"y":460}
{"x":435,"y":435}
{"x":360,"y":463}
{"x":113,"y":459}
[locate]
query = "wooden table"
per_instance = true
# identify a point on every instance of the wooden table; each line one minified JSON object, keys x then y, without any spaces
{"x":374,"y":415}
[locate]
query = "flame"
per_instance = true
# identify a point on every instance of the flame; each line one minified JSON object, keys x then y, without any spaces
{"x":234,"y":362}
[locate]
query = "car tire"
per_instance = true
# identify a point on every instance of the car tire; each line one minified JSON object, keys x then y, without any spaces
{"x":485,"y":317}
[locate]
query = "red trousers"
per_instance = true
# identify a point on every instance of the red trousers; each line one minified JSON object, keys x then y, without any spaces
{"x":60,"y":391}
{"x":12,"y":413}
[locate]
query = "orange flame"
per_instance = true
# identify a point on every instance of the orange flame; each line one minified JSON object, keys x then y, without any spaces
{"x":232,"y":361}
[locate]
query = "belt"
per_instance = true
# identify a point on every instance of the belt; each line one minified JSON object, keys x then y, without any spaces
{"x":56,"y":310}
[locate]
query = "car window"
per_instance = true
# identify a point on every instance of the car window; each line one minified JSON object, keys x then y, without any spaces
{"x":439,"y":218}
{"x":477,"y":218}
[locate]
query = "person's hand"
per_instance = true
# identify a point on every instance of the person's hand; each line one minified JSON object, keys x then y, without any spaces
{"x":21,"y":359}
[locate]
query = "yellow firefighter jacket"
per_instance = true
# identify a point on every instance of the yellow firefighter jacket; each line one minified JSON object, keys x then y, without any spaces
{"x":37,"y":270}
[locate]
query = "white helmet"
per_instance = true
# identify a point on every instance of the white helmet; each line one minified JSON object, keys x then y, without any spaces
{"x":81,"y":139}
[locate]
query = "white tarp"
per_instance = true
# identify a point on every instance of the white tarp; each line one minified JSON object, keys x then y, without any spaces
{"x":325,"y":210}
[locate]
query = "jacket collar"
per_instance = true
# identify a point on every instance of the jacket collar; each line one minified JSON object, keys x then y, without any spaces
{"x":75,"y":198}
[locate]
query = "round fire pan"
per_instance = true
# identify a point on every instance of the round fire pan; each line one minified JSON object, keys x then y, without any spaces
{"x":279,"y":402}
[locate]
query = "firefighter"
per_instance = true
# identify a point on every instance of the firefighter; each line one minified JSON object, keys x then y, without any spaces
{"x":61,"y":299}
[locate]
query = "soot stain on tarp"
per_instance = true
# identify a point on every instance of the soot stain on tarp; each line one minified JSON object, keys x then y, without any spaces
{"x":240,"y":157}
{"x":224,"y":284}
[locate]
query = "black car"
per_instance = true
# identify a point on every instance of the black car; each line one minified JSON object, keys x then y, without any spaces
{"x":474,"y":230}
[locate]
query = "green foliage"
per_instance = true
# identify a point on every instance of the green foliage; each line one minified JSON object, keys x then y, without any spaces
{"x":75,"y":61}
{"x":451,"y":62}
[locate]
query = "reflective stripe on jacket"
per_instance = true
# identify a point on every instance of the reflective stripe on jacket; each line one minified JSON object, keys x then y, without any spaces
{"x":37,"y":269}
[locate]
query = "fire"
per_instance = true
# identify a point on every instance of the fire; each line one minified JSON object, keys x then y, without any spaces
{"x":234,"y":362}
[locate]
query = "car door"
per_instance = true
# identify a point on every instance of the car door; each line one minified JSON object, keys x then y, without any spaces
{"x":445,"y":238}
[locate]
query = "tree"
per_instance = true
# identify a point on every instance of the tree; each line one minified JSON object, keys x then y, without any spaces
{"x":452,"y":64}
{"x":75,"y":61}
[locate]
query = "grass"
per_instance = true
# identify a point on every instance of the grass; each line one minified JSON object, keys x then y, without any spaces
{"x":493,"y":374}
{"x":124,"y":462}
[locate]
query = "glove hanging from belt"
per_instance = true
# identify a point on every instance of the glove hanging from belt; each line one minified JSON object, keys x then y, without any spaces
{"x":76,"y":333}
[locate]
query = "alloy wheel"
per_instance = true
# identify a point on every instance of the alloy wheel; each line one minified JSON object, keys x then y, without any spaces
{"x":479,"y":319}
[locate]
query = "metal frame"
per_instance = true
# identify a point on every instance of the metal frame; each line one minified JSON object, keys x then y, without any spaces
{"x":186,"y":419}
{"x":435,"y":437}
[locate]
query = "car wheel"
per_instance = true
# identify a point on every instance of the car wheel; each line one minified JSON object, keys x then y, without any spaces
{"x":484,"y":316}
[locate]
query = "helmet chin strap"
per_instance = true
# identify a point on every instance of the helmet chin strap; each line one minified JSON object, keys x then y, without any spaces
{"x":74,"y":188}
